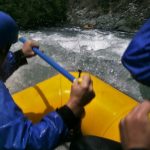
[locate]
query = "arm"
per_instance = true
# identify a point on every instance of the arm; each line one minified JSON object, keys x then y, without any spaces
{"x":12,"y":62}
{"x":137,"y":56}
{"x":17,"y":132}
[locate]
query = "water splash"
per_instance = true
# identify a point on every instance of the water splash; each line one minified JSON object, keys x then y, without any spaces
{"x":90,"y":50}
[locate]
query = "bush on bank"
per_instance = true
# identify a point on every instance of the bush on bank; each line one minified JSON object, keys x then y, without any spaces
{"x":31,"y":14}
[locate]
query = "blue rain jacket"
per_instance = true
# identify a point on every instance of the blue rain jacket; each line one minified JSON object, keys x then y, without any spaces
{"x":16,"y":131}
{"x":137,"y":56}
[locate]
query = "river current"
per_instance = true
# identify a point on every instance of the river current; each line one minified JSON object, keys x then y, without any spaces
{"x":94,"y":51}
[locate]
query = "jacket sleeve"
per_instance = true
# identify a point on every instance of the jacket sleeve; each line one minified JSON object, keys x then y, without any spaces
{"x":18,"y":133}
{"x":137,"y":56}
{"x":12,"y":62}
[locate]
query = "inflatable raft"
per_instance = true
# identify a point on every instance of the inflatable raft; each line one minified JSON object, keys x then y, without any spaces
{"x":103,"y":114}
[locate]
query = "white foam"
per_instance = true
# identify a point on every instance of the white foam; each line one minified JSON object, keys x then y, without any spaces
{"x":91,"y":40}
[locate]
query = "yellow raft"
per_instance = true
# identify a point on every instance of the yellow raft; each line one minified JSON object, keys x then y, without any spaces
{"x":103,"y":114}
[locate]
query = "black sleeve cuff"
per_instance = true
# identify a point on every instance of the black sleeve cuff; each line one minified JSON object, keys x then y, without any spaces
{"x":68,"y":117}
{"x":20,"y":58}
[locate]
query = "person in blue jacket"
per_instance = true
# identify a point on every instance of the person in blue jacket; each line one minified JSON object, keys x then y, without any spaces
{"x":135,"y":127}
{"x":16,"y":131}
{"x":136,"y":58}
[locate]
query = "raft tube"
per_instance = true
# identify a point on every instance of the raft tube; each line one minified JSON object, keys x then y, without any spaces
{"x":102,"y":116}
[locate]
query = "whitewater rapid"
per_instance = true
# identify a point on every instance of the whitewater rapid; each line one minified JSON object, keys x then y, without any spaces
{"x":94,"y":51}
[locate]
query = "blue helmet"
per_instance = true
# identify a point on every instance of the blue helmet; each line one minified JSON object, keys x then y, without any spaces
{"x":8,"y":30}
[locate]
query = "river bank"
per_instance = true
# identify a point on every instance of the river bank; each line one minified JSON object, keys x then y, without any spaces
{"x":108,"y":15}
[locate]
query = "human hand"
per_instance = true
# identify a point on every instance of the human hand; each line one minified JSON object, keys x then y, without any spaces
{"x":27,"y":48}
{"x":81,"y":94}
{"x":135,"y":128}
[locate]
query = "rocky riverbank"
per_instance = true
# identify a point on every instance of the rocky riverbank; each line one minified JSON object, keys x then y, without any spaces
{"x":120,"y":15}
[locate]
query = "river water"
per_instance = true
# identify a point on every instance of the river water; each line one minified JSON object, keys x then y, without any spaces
{"x":94,"y":51}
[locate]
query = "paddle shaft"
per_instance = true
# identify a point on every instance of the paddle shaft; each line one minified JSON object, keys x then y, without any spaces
{"x":50,"y":61}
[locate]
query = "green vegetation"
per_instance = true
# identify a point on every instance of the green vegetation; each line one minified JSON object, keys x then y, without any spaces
{"x":31,"y":14}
